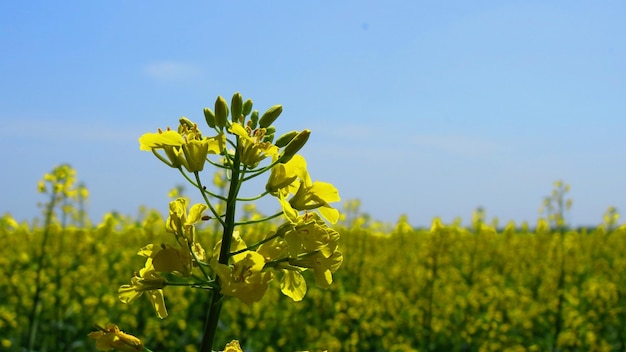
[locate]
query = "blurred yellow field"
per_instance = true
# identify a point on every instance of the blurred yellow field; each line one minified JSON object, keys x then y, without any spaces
{"x":446,"y":288}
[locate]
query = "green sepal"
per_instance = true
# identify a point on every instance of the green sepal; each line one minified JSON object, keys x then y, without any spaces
{"x":186,"y":122}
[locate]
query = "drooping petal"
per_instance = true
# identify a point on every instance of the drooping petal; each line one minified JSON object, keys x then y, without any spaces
{"x":158,"y":302}
{"x":325,"y":191}
{"x":329,"y":213}
{"x":128,"y":293}
{"x":293,"y":285}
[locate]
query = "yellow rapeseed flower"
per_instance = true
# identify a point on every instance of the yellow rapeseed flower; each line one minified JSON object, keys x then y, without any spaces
{"x":244,"y":278}
{"x":254,"y":149}
{"x":112,"y":338}
{"x":150,"y":282}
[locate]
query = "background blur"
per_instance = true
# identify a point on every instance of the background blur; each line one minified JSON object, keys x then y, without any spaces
{"x":417,"y":107}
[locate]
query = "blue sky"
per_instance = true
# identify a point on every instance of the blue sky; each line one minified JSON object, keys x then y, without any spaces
{"x":424,"y":108}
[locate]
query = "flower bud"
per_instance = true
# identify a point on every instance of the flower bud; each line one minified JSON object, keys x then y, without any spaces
{"x":270,"y":116}
{"x":295,"y":145}
{"x":236,"y":107}
{"x":221,"y":112}
{"x":247,"y":107}
{"x":209,"y":116}
{"x":254,"y":118}
{"x":186,"y":122}
{"x":269,"y":138}
{"x":285,"y":139}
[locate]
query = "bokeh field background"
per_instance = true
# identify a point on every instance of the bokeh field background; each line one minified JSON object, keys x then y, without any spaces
{"x":484,"y":287}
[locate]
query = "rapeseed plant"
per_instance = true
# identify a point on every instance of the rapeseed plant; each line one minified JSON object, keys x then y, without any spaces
{"x":239,"y":149}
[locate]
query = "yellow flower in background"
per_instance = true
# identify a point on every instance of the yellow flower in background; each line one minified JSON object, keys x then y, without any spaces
{"x":112,"y":338}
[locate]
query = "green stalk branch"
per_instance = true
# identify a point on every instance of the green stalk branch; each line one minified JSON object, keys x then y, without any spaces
{"x":208,"y":203}
{"x":248,"y":222}
{"x":200,"y":187}
{"x":250,"y":199}
{"x":33,"y":316}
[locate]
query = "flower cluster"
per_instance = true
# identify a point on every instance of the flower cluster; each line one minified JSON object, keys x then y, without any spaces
{"x":243,"y":148}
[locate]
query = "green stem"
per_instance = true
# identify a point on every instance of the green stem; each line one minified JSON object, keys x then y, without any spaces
{"x":210,"y":326}
{"x":250,"y":199}
{"x":220,"y":166}
{"x":33,"y":317}
{"x":160,"y":157}
{"x":199,"y":186}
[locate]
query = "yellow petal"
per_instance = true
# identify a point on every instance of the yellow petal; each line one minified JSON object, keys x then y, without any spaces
{"x":240,"y":131}
{"x":158,"y":302}
{"x":330,"y":214}
{"x":195,"y":213}
{"x":325,"y":191}
{"x":150,"y":141}
{"x":146,"y":251}
{"x":233,"y":346}
{"x":128,"y":293}
{"x":168,"y":260}
{"x":293,"y":285}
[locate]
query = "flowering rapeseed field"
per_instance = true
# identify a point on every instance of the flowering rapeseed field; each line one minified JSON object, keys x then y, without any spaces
{"x":446,"y":288}
{"x":68,"y":284}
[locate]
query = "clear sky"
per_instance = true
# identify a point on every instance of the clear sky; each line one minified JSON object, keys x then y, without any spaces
{"x":424,"y":108}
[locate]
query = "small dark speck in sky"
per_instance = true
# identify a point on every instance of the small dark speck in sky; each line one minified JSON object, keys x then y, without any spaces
{"x":365,"y":26}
